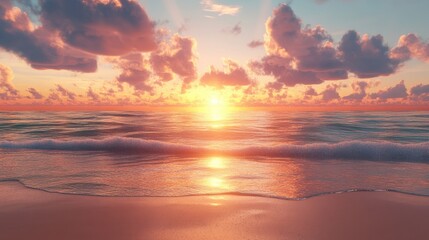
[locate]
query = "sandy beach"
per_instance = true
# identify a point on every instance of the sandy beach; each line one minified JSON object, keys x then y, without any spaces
{"x":33,"y":214}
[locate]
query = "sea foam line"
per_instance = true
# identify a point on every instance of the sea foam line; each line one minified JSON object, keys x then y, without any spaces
{"x":361,"y":150}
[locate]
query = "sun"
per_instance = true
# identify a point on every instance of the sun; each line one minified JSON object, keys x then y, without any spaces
{"x":214,"y":101}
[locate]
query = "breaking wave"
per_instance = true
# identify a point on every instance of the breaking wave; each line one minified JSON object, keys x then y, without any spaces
{"x":359,"y":150}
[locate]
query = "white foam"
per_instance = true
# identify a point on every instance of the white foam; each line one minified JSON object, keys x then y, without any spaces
{"x":359,"y":150}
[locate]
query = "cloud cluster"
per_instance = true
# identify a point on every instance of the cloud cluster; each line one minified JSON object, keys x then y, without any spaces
{"x":308,"y":55}
{"x":7,"y":90}
{"x":233,"y":76}
{"x":410,"y":46}
{"x":73,"y":33}
{"x":100,"y":26}
{"x":40,"y":47}
{"x":420,"y":92}
{"x":397,"y":91}
{"x":175,"y":57}
{"x":134,"y":71}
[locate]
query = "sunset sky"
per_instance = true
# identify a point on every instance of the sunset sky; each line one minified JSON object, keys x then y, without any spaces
{"x":190,"y":52}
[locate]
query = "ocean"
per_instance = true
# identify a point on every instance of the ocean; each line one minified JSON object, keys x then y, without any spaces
{"x":281,"y":154}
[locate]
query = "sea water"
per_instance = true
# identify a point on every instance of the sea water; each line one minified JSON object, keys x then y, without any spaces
{"x":283,"y":154}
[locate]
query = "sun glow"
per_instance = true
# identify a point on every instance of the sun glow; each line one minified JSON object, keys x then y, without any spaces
{"x":214,"y":101}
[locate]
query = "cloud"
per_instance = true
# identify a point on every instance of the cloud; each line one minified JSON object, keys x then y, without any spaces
{"x":330,"y":93}
{"x":235,"y":30}
{"x":310,"y":93}
{"x":420,"y":92}
{"x":34,"y":93}
{"x":100,"y":27}
{"x":298,"y":55}
{"x":255,"y":44}
{"x":65,"y":93}
{"x":279,"y":67}
{"x":134,"y":71}
{"x":60,"y":95}
{"x":211,"y":6}
{"x":366,"y":56}
{"x":41,"y":48}
{"x":175,"y":57}
{"x":308,"y":55}
{"x":359,"y":93}
{"x":93,"y":96}
{"x":7,"y":90}
{"x":397,"y":91}
{"x":411,"y":45}
{"x":234,"y":76}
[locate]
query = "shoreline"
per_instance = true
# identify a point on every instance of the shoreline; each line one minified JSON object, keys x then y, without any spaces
{"x":33,"y":214}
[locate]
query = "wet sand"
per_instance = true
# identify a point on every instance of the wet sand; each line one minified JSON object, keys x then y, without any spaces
{"x":32,"y":214}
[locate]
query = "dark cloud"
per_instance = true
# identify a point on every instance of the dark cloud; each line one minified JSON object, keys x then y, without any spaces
{"x":366,"y":56}
{"x":100,"y":27}
{"x":420,"y":92}
{"x":397,"y":91}
{"x":41,"y":48}
{"x":234,"y":76}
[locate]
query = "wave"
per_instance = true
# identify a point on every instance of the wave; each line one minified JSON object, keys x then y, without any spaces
{"x":360,"y":150}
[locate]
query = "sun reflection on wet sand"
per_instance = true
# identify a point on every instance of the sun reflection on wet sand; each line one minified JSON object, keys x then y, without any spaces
{"x":216,"y":181}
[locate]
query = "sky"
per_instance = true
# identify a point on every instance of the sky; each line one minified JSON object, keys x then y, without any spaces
{"x":189,"y":52}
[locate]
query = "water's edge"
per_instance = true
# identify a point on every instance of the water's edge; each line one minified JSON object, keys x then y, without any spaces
{"x":219,"y":194}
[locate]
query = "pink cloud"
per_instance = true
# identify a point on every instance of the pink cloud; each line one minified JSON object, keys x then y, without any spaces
{"x":134,"y":71}
{"x":234,"y":76}
{"x":7,"y":90}
{"x":411,"y":45}
{"x":298,"y":55}
{"x":177,"y":57}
